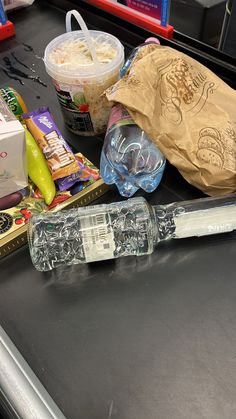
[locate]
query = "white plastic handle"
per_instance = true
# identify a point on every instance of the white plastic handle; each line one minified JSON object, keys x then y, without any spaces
{"x":85,"y":31}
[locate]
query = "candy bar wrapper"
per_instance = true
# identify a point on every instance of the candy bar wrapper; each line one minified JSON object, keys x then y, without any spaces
{"x":83,"y":175}
{"x":60,"y":158}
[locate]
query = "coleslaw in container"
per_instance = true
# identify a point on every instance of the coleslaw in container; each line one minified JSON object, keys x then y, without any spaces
{"x":79,"y":81}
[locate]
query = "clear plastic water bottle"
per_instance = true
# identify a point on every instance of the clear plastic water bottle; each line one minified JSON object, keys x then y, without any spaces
{"x":134,"y":52}
{"x":129,"y":159}
{"x":131,"y":227}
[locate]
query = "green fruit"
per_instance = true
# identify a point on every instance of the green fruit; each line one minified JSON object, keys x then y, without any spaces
{"x":38,"y":169}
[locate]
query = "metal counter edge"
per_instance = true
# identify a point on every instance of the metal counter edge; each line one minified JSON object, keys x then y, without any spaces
{"x":22,"y":390}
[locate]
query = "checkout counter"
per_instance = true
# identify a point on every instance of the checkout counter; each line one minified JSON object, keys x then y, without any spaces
{"x":135,"y":338}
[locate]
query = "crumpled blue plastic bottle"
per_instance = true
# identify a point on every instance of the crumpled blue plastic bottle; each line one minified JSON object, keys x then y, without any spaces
{"x":129,"y":159}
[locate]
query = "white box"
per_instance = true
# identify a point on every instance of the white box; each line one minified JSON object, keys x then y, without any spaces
{"x":13,"y":167}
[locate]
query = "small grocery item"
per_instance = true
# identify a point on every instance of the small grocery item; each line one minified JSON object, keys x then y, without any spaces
{"x":187,"y":111}
{"x":83,"y":175}
{"x":82,"y":65}
{"x":13,"y":168}
{"x":38,"y":170}
{"x":11,"y":200}
{"x":131,"y":227}
{"x":129,"y":158}
{"x":59,"y":156}
{"x":14,"y":101}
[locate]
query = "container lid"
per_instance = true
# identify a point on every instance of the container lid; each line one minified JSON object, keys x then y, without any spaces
{"x":68,"y":57}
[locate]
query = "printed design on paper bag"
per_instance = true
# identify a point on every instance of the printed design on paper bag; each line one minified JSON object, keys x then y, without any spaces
{"x":182,"y":87}
{"x":231,"y":133}
{"x":6,"y":222}
{"x":218,"y":147}
{"x":129,"y":81}
{"x":230,"y":148}
{"x":210,"y":147}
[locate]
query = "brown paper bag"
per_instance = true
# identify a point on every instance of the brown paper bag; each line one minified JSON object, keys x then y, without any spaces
{"x":187,"y":111}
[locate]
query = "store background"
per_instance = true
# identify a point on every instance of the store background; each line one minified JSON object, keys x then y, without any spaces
{"x":209,"y":21}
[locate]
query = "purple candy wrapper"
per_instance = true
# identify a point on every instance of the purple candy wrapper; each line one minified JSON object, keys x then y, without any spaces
{"x":60,"y":158}
{"x":67,"y":182}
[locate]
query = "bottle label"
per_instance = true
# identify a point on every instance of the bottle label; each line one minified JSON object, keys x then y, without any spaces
{"x":15,"y":104}
{"x":74,"y":107}
{"x":98,"y":237}
{"x":119,"y":116}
